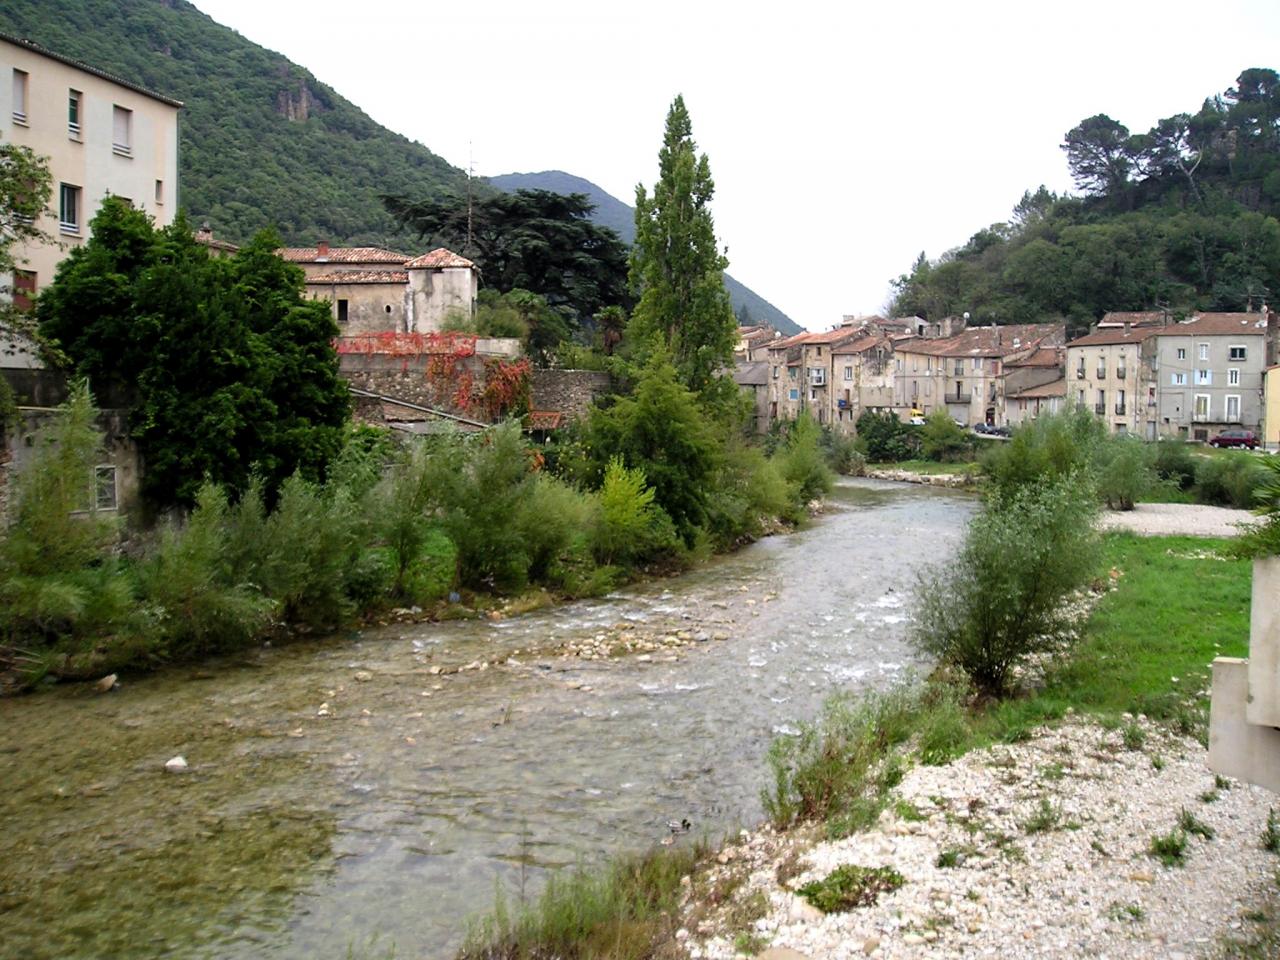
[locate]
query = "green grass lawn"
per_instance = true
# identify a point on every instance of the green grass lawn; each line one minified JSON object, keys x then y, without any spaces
{"x":928,"y":466}
{"x":1174,"y":608}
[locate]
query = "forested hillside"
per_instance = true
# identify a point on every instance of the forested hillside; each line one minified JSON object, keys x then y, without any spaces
{"x":1183,"y":216}
{"x":613,"y":213}
{"x":262,"y":141}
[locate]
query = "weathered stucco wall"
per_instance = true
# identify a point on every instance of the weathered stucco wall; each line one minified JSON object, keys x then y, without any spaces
{"x":371,"y":307}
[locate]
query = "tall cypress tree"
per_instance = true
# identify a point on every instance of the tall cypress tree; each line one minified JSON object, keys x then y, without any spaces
{"x":677,"y":270}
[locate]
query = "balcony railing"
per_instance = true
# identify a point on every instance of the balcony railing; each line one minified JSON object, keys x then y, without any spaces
{"x":1119,"y":409}
{"x":1079,"y":373}
{"x":1102,"y":373}
{"x":1100,"y":409}
{"x":1120,"y":373}
{"x":959,"y":397}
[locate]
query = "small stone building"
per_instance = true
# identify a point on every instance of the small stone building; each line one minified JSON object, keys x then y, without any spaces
{"x":374,"y":290}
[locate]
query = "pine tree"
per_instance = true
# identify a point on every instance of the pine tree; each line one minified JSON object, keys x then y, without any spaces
{"x":676,"y":268}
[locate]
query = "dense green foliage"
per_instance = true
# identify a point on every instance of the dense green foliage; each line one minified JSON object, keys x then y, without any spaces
{"x":533,"y":240}
{"x":676,"y":266}
{"x":25,"y":185}
{"x":230,"y":369}
{"x":262,"y":142}
{"x":1001,"y":599}
{"x":882,"y":437}
{"x":609,"y":211}
{"x":1183,"y":216}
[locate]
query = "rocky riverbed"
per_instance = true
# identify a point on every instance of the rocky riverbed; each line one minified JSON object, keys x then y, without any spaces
{"x":1035,"y":849}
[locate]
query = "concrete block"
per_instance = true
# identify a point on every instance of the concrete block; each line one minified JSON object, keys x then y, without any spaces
{"x":1237,"y":747}
{"x":1264,"y":644}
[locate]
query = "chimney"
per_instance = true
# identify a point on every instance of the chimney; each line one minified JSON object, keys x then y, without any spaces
{"x":322,"y":250}
{"x":1126,"y":328}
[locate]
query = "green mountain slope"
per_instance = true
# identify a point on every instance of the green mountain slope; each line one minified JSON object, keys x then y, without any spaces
{"x":262,"y":141}
{"x":612,"y":212}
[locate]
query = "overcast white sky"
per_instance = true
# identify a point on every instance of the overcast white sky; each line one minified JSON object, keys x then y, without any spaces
{"x":843,"y":138}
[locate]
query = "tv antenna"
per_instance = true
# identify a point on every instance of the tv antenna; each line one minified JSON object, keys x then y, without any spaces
{"x":471,"y":170}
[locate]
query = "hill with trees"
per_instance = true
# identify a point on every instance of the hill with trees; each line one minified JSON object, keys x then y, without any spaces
{"x":1182,"y":217}
{"x":611,"y":212}
{"x":263,"y":143}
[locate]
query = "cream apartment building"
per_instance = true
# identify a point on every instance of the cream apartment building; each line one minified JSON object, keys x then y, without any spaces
{"x":1111,"y":372}
{"x":101,"y":135}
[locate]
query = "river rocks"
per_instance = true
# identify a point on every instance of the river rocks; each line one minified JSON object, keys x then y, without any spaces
{"x":363,"y":676}
{"x":928,"y":479}
{"x":176,"y":764}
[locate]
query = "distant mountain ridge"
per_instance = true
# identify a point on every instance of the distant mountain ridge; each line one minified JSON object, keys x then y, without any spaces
{"x":612,"y":212}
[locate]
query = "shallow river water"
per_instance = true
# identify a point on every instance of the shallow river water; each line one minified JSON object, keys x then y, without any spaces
{"x":324,"y":812}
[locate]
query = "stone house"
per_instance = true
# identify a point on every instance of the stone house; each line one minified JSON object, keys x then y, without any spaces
{"x":373,"y":290}
{"x":1030,"y":402}
{"x":800,"y":369}
{"x":964,"y":374}
{"x":861,"y":378}
{"x":752,"y":378}
{"x":1209,"y":373}
{"x":753,"y":342}
{"x":1110,"y":371}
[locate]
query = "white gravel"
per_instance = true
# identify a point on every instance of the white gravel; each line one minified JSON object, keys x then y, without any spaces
{"x":1177,"y":519}
{"x":1084,"y":888}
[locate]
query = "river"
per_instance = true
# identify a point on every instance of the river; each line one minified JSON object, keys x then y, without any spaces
{"x":340,"y":797}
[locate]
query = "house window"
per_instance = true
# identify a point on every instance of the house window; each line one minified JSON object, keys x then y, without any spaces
{"x":1233,"y":408}
{"x":1201,"y":409}
{"x":915,"y":364}
{"x":1080,"y":397}
{"x":898,"y":363}
{"x":1233,"y":377}
{"x":20,"y":97}
{"x":122,"y":131}
{"x":977,"y":365}
{"x":342,"y":311}
{"x":159,"y":193}
{"x":24,"y":288}
{"x":1178,"y":379}
{"x":68,"y":208}
{"x":73,"y":114}
{"x":1204,"y":351}
{"x":1237,"y":353}
{"x":775,"y":373}
{"x":104,"y":488}
{"x":1182,"y":353}
{"x":1204,"y":378}
{"x":793,"y":394}
{"x":959,"y":368}
{"x":848,"y":373}
{"x":793,"y":372}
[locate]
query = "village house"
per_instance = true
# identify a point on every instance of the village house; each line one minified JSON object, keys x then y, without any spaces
{"x":1033,"y":385}
{"x":373,"y":290}
{"x":753,"y":343}
{"x":862,"y":379}
{"x":800,"y":369}
{"x":101,"y":135}
{"x":1209,"y":371}
{"x":1110,"y":371}
{"x":964,"y":374}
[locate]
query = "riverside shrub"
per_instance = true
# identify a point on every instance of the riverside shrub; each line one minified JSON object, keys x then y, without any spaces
{"x":942,"y":439}
{"x":1124,"y":470}
{"x":1229,"y":479}
{"x":629,"y":525}
{"x":1050,"y":446}
{"x":1001,"y":600}
{"x":886,"y":439}
{"x":802,"y":463}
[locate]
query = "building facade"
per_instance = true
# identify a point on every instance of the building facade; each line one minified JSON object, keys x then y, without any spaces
{"x":102,"y":136}
{"x":1111,"y":372}
{"x":373,"y":290}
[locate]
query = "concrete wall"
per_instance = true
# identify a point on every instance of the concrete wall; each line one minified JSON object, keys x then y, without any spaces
{"x":87,"y":160}
{"x":371,"y":307}
{"x":436,"y":293}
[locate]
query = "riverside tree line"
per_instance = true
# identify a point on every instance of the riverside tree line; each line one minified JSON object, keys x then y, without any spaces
{"x":264,"y":509}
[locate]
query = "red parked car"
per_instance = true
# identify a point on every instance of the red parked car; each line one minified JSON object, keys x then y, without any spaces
{"x":1235,"y":438}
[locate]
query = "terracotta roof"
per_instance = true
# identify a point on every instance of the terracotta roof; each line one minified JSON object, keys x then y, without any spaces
{"x":88,"y":68}
{"x":1043,"y":357}
{"x":360,"y":276}
{"x":438,"y":259}
{"x":781,"y":343}
{"x":989,"y":341}
{"x":865,"y":342}
{"x":818,"y":339}
{"x":1116,"y":318}
{"x":342,"y":255}
{"x":1054,"y":388}
{"x":1220,"y":325}
{"x":544,"y":419}
{"x":1116,"y":335}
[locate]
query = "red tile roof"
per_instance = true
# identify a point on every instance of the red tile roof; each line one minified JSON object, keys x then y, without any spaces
{"x":865,"y":342}
{"x":1054,"y":388}
{"x":438,"y":259}
{"x":1043,"y":357}
{"x":990,"y":341}
{"x":544,"y":419}
{"x":1220,"y":325}
{"x":1113,"y":336}
{"x":361,"y":276}
{"x":342,"y":255}
{"x":1120,"y":318}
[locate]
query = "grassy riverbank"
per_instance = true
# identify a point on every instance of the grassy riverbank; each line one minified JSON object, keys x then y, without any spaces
{"x":1165,"y":607}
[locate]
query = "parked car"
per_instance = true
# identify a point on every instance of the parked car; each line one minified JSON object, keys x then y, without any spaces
{"x":916,"y":421}
{"x":1235,"y":438}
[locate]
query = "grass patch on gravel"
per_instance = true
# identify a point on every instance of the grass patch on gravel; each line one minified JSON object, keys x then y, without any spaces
{"x":930,"y":467}
{"x":851,"y":886}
